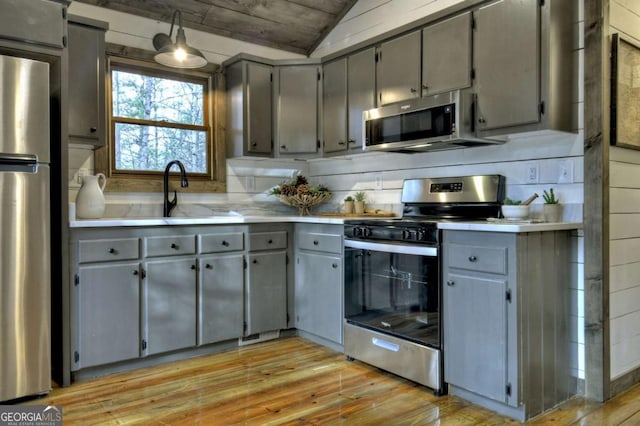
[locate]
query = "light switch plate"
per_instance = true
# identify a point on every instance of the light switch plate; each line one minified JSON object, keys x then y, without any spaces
{"x":379,"y":181}
{"x":565,"y":171}
{"x":532,"y":172}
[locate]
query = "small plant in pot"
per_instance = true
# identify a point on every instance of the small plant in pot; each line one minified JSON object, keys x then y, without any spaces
{"x":552,"y":207}
{"x":348,"y":204}
{"x":359,"y":203}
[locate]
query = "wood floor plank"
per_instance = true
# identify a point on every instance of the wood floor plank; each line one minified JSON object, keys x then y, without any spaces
{"x":292,"y":381}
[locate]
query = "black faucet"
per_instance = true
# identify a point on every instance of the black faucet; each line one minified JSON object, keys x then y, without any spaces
{"x":169,"y":205}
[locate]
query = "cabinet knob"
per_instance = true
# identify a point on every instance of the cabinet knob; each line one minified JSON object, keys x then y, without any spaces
{"x":270,"y":242}
{"x":481,"y":120}
{"x":450,"y":283}
{"x":93,"y":129}
{"x":342,"y":143}
{"x":425,"y":87}
{"x":225,"y":243}
{"x":254,"y":144}
{"x":208,"y":266}
{"x":351,"y":141}
{"x":472,"y":258}
{"x":112,"y":250}
{"x":315,"y":242}
{"x":174,"y":246}
{"x":193,"y":267}
{"x":135,"y":272}
{"x":283,"y":147}
{"x":254,"y":261}
{"x":412,"y":90}
{"x":334,"y":265}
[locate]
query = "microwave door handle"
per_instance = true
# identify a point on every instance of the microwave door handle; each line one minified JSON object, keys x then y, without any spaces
{"x":473,"y":113}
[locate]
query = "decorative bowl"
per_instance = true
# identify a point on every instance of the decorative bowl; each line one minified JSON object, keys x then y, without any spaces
{"x":303,"y":202}
{"x":515,"y":212}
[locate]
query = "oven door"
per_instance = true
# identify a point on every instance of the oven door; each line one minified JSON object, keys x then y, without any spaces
{"x":393,"y":289}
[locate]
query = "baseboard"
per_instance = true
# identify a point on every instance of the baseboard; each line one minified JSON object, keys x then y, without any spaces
{"x":624,"y":382}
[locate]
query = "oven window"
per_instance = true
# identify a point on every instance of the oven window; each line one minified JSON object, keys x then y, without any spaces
{"x":393,"y":293}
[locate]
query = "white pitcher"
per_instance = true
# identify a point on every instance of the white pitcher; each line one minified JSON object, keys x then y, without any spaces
{"x":90,"y":199}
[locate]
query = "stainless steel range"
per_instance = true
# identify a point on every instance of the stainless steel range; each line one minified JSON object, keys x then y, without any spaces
{"x":393,"y":288}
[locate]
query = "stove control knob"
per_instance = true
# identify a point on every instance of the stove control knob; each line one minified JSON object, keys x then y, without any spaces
{"x":406,"y":234}
{"x":421,"y":235}
{"x":355,"y":232}
{"x":366,"y":232}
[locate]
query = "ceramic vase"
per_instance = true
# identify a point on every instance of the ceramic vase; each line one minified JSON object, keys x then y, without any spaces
{"x":552,"y":213}
{"x":90,"y":199}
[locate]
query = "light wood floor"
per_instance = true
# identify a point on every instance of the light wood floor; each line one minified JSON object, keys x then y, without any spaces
{"x":291,"y":381}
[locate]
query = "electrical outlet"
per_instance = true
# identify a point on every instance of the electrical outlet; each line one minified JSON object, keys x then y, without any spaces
{"x":379,"y":181}
{"x":532,"y":173}
{"x":565,"y":171}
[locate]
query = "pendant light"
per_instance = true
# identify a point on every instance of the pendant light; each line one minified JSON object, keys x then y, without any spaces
{"x":178,"y":54}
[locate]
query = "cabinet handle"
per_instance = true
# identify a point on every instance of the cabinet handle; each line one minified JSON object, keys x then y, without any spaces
{"x":93,"y":129}
{"x":341,"y":143}
{"x":208,"y":266}
{"x":225,"y":243}
{"x":481,"y":120}
{"x":193,"y":267}
{"x":315,"y":242}
{"x":412,"y":90}
{"x":425,"y":87}
{"x":174,"y":246}
{"x":351,"y":141}
{"x":135,"y":272}
{"x":472,"y":258}
{"x":334,"y":265}
{"x":112,"y":250}
{"x":451,"y":283}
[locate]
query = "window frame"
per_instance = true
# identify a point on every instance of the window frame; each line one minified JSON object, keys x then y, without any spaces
{"x":151,"y":181}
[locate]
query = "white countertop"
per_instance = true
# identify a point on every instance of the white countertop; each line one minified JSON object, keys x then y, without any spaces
{"x":501,"y":226}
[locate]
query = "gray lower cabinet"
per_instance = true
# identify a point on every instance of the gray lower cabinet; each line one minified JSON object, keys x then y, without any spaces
{"x":220,"y":297}
{"x":506,"y":319}
{"x":266,"y":284}
{"x":318,"y":281}
{"x":169,"y":289}
{"x":107,"y":313}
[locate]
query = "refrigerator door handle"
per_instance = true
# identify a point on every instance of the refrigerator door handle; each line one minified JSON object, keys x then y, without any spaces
{"x":25,"y":163}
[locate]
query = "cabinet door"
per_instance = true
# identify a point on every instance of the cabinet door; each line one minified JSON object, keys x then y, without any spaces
{"x":361,"y":92}
{"x":318,"y":295}
{"x":266,"y":295}
{"x":221,"y":298}
{"x":258,"y":108}
{"x":507,"y":64}
{"x":475,"y":334}
{"x":86,"y":88}
{"x":334,"y":106}
{"x":398,"y":66}
{"x":446,"y":55}
{"x":298,"y":109}
{"x":108,"y":314}
{"x":35,"y":21}
{"x":170,"y":304}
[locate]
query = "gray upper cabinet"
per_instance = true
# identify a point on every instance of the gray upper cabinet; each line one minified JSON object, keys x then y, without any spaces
{"x":507,"y":55}
{"x":38,"y":22}
{"x":398,"y":69}
{"x":297,"y":106}
{"x":334,"y":106}
{"x":446,"y":55}
{"x":87,"y":81}
{"x":361,"y":92}
{"x":249,"y":118}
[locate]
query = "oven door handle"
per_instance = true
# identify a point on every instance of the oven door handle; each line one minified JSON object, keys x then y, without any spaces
{"x":392,"y":248}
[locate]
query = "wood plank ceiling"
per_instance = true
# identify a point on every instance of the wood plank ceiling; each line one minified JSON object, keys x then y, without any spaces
{"x":293,"y":25}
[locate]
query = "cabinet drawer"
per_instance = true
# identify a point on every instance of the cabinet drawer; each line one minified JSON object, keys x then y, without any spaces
{"x":107,"y":250}
{"x":170,"y":245}
{"x":331,"y":243}
{"x":267,"y":240}
{"x":214,"y":243}
{"x":478,"y":258}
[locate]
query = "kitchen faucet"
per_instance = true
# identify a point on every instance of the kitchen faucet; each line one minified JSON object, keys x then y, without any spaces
{"x":169,"y":205}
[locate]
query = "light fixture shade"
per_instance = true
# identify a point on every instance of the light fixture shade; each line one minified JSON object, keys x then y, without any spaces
{"x":178,"y":54}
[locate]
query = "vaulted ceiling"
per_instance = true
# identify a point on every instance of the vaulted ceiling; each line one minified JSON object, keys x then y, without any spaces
{"x":293,"y":25}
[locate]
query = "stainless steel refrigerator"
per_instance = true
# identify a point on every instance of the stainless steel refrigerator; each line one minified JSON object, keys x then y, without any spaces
{"x":25,"y":265}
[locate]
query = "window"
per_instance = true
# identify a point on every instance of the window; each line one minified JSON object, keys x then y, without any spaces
{"x":157,"y":116}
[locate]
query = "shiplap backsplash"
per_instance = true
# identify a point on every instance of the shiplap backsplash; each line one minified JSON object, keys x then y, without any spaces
{"x":624,"y":225}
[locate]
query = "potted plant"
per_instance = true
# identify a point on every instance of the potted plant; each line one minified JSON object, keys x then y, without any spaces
{"x":359,"y":203}
{"x":552,"y":207}
{"x":348,"y":204}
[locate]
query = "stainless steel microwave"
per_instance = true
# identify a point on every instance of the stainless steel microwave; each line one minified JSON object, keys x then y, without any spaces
{"x":442,"y":121}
